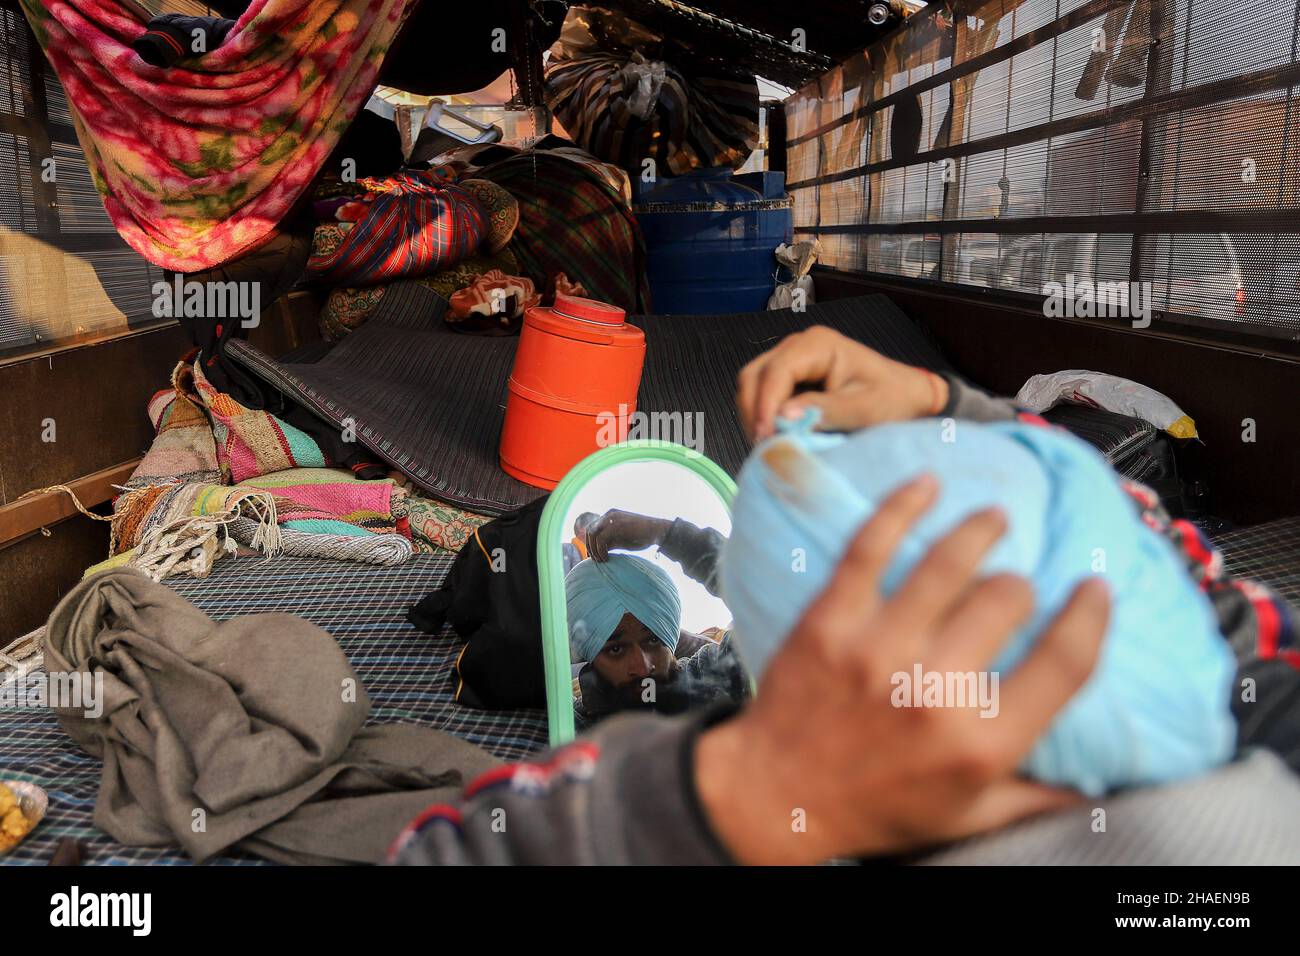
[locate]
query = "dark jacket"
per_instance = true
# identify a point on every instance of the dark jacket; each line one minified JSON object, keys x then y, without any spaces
{"x":497,"y":611}
{"x":173,"y":37}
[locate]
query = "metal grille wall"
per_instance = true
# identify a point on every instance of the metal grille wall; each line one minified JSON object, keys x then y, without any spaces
{"x":1009,"y":144}
{"x":65,"y":274}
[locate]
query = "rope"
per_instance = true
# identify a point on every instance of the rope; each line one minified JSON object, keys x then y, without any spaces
{"x":71,"y":494}
{"x":382,"y":549}
{"x":25,"y":651}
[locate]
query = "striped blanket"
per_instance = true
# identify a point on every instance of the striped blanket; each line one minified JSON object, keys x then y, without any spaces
{"x":203,"y":435}
{"x":329,"y":501}
{"x":183,"y":448}
{"x":251,"y":442}
{"x":314,"y":500}
{"x":572,"y":221}
{"x":415,"y":224}
{"x":199,"y":162}
{"x":185,"y":528}
{"x":692,"y":122}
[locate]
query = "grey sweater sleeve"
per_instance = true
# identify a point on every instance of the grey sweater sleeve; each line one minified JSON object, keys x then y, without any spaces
{"x":696,"y":550}
{"x":623,"y":794}
{"x":965,"y":401}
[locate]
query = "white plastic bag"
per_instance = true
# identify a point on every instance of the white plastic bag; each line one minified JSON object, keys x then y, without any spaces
{"x":1110,"y":392}
{"x":798,"y":259}
{"x":642,"y":82}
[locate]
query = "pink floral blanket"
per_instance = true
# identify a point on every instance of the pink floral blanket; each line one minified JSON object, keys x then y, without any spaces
{"x":197,"y":163}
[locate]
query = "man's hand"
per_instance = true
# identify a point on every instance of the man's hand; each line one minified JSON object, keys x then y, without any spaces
{"x":624,"y":530}
{"x":823,"y":737}
{"x":853,"y":385}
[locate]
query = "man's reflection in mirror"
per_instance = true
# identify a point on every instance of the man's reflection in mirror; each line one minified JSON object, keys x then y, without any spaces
{"x":625,"y":614}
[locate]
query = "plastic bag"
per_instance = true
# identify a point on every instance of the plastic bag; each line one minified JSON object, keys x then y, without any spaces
{"x":642,"y":81}
{"x":797,"y":259}
{"x":591,"y":30}
{"x":1110,"y":392}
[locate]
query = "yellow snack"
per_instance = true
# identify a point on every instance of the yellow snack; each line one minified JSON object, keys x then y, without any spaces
{"x":7,"y":800}
{"x":14,"y":823}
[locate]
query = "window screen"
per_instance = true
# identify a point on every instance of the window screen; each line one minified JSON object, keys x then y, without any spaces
{"x":1012,"y":145}
{"x":65,"y":274}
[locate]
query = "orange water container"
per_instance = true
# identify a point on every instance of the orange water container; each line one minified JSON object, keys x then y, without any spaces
{"x":572,"y":388}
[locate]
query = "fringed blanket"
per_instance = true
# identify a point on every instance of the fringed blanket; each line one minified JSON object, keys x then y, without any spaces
{"x":185,"y":528}
{"x":320,"y":501}
{"x":219,"y":475}
{"x":328,"y":501}
{"x":197,"y":163}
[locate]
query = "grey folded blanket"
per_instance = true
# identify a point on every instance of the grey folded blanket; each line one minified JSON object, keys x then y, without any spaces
{"x":242,"y":734}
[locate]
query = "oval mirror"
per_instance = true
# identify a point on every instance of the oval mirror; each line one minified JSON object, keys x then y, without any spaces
{"x":626,"y":556}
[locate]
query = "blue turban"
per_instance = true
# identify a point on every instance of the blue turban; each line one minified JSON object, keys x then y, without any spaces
{"x":599,"y":593}
{"x":1156,"y":707}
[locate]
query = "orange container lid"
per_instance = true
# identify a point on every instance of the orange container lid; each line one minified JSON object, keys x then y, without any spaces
{"x":616,"y":334}
{"x":588,"y":310}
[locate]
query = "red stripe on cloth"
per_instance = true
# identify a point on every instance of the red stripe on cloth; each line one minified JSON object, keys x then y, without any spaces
{"x":180,"y":50}
{"x":1029,"y":418}
{"x":537,"y":773}
{"x":284,"y":442}
{"x":1192,"y":543}
{"x":1269,"y":623}
{"x":490,"y":779}
{"x":438,"y":811}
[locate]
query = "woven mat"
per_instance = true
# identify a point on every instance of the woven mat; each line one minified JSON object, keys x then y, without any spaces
{"x":431,"y":402}
{"x":407,"y":674}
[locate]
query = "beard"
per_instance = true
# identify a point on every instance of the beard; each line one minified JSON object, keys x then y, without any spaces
{"x":637,"y":694}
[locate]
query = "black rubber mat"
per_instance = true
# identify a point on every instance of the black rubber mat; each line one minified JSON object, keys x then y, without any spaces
{"x":431,"y":401}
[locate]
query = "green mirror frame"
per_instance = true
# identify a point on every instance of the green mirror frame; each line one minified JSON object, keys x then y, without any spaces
{"x":550,"y":568}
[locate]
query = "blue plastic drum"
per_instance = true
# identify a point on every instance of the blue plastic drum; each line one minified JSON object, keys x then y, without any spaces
{"x":710,"y":240}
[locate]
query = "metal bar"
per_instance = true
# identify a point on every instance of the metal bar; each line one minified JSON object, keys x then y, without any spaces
{"x":1276,"y":77}
{"x":1183,"y":222}
{"x":1158,"y":82}
{"x":1048,"y":31}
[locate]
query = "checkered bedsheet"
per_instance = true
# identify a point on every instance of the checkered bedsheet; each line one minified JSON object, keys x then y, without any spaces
{"x":1269,"y":553}
{"x":408,"y":675}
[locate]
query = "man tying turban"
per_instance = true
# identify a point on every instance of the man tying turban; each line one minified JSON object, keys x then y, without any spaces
{"x":1158,"y":707}
{"x":625,"y":624}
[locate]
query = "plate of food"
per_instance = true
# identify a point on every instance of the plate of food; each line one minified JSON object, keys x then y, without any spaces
{"x":22,"y":807}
